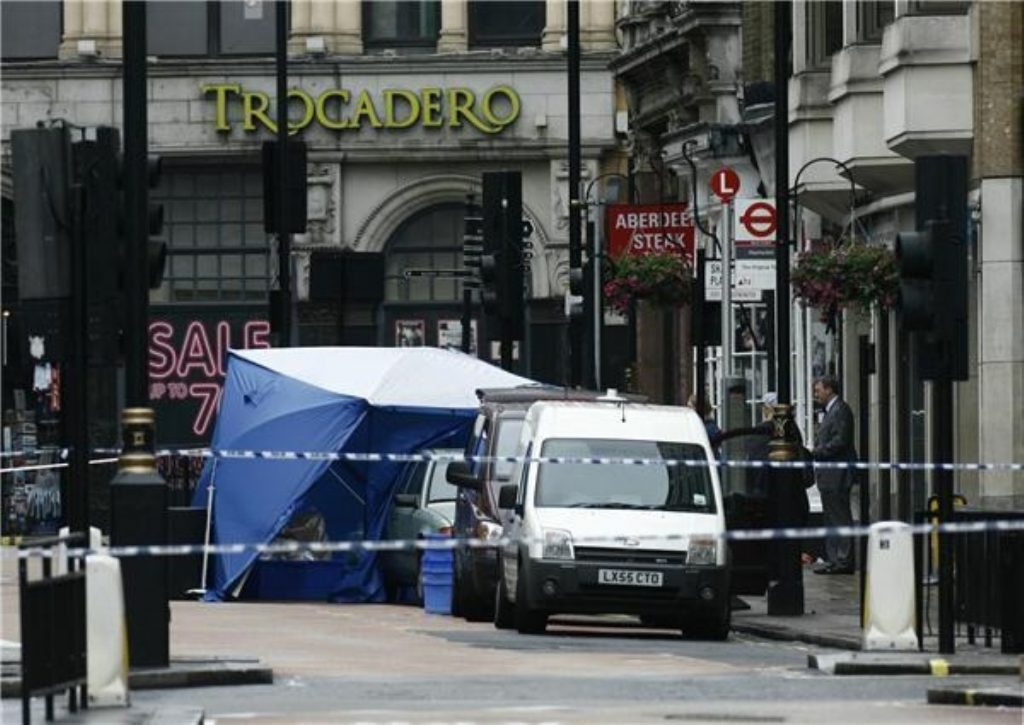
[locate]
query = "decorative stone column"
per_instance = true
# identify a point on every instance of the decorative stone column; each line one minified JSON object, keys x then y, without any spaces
{"x":554,"y":27}
{"x":454,"y":36}
{"x":597,"y":18}
{"x":98,"y":21}
{"x":338,"y":22}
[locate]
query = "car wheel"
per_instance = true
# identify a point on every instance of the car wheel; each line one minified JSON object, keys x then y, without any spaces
{"x":709,"y":626}
{"x":528,"y":621}
{"x":504,"y":612}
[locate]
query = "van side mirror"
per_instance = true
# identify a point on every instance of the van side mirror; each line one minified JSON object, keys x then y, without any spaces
{"x":407,"y":500}
{"x":507,"y":495}
{"x":459,"y":474}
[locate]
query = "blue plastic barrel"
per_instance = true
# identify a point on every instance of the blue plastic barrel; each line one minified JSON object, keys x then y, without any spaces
{"x":436,"y":569}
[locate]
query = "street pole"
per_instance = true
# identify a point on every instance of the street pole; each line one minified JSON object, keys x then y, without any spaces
{"x":697,"y":308}
{"x":284,"y":236}
{"x":598,"y":305}
{"x":576,"y":323}
{"x":136,"y":205}
{"x":942,"y":452}
{"x":786,"y":595}
{"x":726,"y":297}
{"x":77,"y":403}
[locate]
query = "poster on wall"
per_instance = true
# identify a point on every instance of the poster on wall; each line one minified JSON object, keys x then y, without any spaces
{"x":410,"y":333}
{"x":449,"y":335}
{"x":188,"y":349}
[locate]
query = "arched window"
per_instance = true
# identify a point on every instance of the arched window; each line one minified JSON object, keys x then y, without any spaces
{"x":429,"y":240}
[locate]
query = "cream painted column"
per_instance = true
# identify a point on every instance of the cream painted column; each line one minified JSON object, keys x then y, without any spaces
{"x":597,"y":18}
{"x":454,"y":36}
{"x":95,"y":20}
{"x":338,"y":22}
{"x":554,"y":27}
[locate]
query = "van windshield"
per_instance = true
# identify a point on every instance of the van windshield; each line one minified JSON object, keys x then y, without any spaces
{"x":621,"y":486}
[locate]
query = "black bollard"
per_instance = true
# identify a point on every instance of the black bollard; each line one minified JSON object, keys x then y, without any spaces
{"x":786,"y":594}
{"x":138,"y":517}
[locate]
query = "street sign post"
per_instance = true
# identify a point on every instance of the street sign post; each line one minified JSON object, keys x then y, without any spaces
{"x":725,"y":184}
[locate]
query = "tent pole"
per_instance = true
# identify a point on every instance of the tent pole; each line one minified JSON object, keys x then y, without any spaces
{"x":201,"y":591}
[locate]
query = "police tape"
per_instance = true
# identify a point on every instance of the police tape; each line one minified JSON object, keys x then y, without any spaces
{"x":359,"y":457}
{"x":452,"y":543}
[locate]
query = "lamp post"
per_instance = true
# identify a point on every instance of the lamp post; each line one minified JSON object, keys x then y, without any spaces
{"x":595,"y":247}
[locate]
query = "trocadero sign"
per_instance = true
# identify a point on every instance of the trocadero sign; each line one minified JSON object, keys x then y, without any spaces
{"x":342,"y":109}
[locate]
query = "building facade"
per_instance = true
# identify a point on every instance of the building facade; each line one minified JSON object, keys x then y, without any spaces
{"x":402,"y":105}
{"x":873,"y":85}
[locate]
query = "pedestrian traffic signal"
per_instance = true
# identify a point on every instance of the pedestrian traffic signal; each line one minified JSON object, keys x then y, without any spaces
{"x":156,"y":246}
{"x":577,"y":289}
{"x":472,"y":240}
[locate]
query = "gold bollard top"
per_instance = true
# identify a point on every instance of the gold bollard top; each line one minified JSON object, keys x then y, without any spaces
{"x":138,"y":433}
{"x":784,"y":445}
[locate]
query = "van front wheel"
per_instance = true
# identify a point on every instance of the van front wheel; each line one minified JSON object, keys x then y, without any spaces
{"x":504,"y":612}
{"x":528,"y":621}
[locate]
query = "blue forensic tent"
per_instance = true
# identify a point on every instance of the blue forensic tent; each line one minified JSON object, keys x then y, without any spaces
{"x":331,"y":399}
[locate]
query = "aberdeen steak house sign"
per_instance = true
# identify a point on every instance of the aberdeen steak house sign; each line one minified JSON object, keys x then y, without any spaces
{"x":339,"y":109}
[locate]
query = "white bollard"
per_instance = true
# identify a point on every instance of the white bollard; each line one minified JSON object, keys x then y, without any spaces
{"x":106,"y":633}
{"x":889,"y":617}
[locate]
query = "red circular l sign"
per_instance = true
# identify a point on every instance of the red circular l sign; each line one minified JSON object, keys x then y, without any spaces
{"x":759,"y":219}
{"x":725,"y":183}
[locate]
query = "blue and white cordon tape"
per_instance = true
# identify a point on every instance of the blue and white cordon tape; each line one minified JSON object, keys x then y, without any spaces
{"x":972,"y":527}
{"x":358,"y":457}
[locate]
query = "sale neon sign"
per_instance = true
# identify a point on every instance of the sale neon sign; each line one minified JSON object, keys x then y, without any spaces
{"x":187,"y":362}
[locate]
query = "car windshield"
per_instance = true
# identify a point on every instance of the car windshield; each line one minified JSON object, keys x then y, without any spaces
{"x":651,"y":487}
{"x":440,"y":489}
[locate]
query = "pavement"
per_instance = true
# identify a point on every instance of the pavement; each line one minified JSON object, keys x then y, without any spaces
{"x":832,"y":619}
{"x":207,"y":649}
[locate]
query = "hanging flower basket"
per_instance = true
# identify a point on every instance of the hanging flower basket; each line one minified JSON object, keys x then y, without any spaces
{"x":849,"y":276}
{"x":664,"y":280}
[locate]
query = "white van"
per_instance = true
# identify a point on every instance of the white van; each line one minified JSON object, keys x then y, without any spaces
{"x":613,"y":537}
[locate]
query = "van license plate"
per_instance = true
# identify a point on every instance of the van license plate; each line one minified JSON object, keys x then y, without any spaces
{"x":629,"y":577}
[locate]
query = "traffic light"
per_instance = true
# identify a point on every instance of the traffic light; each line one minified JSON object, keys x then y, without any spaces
{"x":502,"y":264}
{"x":156,"y":245}
{"x":42,"y":179}
{"x":933,"y":269}
{"x":297,"y":206}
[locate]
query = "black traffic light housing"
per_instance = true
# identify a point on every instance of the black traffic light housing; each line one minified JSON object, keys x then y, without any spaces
{"x":297,"y":204}
{"x":934,"y":271}
{"x":501,"y":265}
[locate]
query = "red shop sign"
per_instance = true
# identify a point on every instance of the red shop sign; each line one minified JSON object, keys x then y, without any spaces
{"x":638,"y":230}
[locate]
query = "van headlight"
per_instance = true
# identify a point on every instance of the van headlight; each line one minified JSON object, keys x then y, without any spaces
{"x":557,"y":545}
{"x":703,"y":551}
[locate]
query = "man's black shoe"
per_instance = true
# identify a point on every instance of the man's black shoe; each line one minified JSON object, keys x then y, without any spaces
{"x":842,"y":570}
{"x":826,"y":568}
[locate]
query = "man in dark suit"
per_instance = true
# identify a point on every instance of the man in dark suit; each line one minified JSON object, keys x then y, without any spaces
{"x":834,"y":444}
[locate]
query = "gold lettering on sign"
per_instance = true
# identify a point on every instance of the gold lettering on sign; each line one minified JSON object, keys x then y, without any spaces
{"x":364,"y":107}
{"x":309,"y":110}
{"x":222,"y":90}
{"x":411,"y":99}
{"x":430,"y":107}
{"x":321,"y":109}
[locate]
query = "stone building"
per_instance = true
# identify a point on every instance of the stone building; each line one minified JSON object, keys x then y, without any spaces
{"x":403,"y":105}
{"x":873,"y":85}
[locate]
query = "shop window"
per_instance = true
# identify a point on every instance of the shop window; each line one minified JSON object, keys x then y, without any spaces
{"x":824,"y":31}
{"x":401,"y":24}
{"x":432,"y":240}
{"x":872,"y":17}
{"x":179,"y":28}
{"x":30,"y":30}
{"x":213,"y":222}
{"x":505,"y":24}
